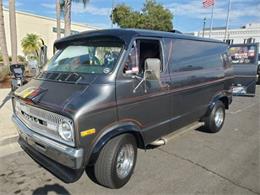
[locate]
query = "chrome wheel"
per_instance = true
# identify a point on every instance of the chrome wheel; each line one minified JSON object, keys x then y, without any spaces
{"x":125,"y":161}
{"x":219,"y":117}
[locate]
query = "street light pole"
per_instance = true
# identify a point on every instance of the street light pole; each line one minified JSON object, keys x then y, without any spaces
{"x":211,"y":23}
{"x":204,"y":24}
{"x":227,"y":20}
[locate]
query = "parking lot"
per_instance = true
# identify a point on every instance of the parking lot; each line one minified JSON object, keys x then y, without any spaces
{"x":194,"y":162}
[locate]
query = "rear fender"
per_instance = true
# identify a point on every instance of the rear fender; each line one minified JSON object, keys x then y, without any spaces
{"x":222,"y":96}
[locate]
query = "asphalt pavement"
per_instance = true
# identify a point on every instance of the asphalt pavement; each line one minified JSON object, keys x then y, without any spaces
{"x":195,"y":162}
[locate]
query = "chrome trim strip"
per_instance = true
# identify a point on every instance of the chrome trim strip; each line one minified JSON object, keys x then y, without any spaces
{"x":65,"y":155}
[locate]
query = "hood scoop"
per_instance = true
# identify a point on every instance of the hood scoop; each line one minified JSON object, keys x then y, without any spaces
{"x":61,"y":76}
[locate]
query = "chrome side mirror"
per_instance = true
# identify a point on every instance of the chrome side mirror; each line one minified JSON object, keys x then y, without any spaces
{"x":152,"y":72}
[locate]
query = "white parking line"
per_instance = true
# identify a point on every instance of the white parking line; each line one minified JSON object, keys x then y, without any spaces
{"x":242,"y":109}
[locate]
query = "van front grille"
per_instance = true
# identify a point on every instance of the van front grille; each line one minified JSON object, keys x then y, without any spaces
{"x":38,"y":120}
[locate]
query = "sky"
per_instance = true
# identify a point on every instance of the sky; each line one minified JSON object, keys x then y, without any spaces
{"x":188,"y":14}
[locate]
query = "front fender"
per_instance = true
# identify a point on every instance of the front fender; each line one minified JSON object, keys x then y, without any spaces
{"x":112,"y":132}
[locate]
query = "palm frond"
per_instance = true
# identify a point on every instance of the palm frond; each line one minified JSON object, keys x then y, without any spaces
{"x":85,"y":2}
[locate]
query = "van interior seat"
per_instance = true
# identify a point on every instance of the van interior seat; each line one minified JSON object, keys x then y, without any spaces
{"x":148,"y":49}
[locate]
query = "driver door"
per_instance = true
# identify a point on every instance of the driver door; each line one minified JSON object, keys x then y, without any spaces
{"x":148,"y":105}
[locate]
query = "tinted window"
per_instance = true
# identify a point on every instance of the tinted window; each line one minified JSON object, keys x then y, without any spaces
{"x":188,"y":55}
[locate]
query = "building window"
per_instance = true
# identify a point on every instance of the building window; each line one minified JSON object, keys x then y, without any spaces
{"x":54,"y":29}
{"x":229,"y":41}
{"x":249,"y":40}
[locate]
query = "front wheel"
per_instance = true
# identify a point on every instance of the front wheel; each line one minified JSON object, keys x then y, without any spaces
{"x":116,"y":161}
{"x":215,"y":120}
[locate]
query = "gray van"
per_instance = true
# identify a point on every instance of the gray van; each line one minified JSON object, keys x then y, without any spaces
{"x":106,"y":93}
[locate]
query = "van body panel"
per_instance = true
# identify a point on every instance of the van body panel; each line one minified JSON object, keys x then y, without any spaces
{"x":197,"y":74}
{"x":150,"y":109}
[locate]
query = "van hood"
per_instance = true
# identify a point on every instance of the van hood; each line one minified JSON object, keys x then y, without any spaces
{"x":53,"y":96}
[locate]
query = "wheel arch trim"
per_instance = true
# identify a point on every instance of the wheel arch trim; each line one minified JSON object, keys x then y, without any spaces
{"x":110,"y":133}
{"x":218,"y":97}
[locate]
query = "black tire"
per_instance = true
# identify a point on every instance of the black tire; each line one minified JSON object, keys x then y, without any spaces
{"x":105,"y":169}
{"x":212,"y":125}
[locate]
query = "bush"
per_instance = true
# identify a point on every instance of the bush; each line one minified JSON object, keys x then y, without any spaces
{"x":4,"y":71}
{"x":21,"y":59}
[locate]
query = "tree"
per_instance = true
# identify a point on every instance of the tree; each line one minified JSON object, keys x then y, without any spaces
{"x":3,"y":45}
{"x":31,"y":45}
{"x":67,"y":14}
{"x":58,"y":14}
{"x":153,"y":16}
{"x":13,"y":33}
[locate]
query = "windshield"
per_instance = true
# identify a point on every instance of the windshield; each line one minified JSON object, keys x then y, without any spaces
{"x":96,"y":59}
{"x":243,"y":54}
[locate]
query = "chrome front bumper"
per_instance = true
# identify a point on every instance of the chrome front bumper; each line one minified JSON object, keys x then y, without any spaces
{"x":60,"y":153}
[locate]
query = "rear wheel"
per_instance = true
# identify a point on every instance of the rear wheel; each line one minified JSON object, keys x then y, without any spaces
{"x":116,"y":161}
{"x":215,"y":120}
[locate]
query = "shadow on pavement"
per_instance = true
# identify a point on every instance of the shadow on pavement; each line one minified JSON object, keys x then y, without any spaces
{"x":7,"y":98}
{"x":56,"y":188}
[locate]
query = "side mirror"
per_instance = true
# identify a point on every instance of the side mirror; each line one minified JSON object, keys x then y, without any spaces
{"x":152,"y":72}
{"x":152,"y":69}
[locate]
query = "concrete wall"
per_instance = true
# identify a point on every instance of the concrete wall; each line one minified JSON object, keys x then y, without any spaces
{"x":237,"y":35}
{"x":42,"y":26}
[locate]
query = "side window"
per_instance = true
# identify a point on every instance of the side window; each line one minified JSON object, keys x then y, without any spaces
{"x":189,"y":55}
{"x":132,"y":62}
{"x":141,"y":50}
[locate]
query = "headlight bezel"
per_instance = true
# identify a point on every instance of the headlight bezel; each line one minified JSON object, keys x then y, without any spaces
{"x":62,"y":131}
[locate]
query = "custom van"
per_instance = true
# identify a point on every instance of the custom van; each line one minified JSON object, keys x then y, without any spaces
{"x":106,"y":93}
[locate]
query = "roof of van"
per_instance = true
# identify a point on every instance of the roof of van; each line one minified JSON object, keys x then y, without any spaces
{"x":126,"y":35}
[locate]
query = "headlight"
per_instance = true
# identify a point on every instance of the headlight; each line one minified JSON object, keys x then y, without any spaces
{"x":66,"y":130}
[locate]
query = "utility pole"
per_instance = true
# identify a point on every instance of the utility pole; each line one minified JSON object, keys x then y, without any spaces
{"x":211,"y":23}
{"x":204,"y":24}
{"x":227,"y":20}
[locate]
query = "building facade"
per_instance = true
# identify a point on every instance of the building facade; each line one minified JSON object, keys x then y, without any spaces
{"x":43,"y":26}
{"x":249,"y":33}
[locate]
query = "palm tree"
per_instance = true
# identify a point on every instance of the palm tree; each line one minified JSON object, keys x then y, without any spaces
{"x":13,"y":33}
{"x":31,"y":45}
{"x":3,"y":45}
{"x":67,"y":14}
{"x":58,"y":14}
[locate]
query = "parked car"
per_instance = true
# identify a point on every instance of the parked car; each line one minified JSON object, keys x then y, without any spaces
{"x":106,"y":93}
{"x":244,"y":58}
